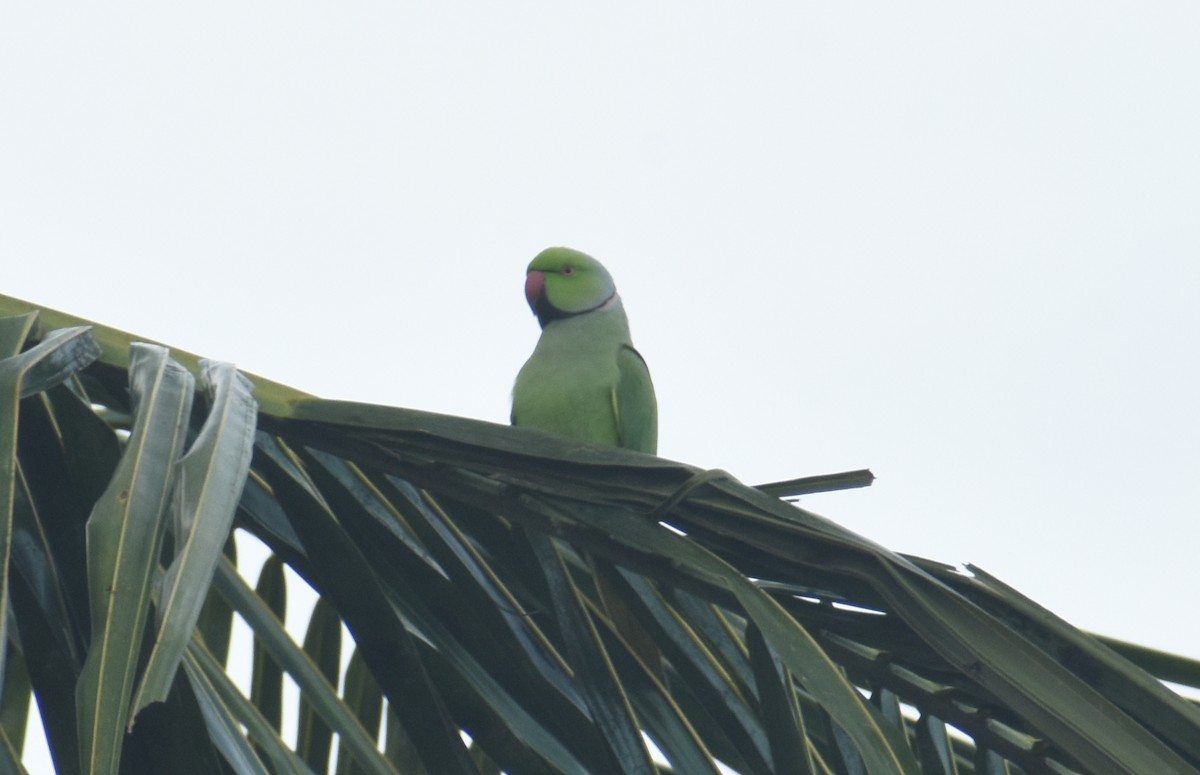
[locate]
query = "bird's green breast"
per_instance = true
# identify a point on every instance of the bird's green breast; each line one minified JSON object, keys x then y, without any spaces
{"x":566,"y":386}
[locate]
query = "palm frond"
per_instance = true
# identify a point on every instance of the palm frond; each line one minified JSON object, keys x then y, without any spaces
{"x":466,"y":560}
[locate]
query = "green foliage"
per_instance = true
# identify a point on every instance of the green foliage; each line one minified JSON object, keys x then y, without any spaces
{"x":456,"y":555}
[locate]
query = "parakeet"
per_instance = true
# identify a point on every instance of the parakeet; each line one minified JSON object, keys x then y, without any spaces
{"x":584,"y":380}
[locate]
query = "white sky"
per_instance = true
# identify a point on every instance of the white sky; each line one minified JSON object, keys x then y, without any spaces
{"x":957,"y":245}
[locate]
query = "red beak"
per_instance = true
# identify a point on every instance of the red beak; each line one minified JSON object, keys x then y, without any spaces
{"x":535,"y":283}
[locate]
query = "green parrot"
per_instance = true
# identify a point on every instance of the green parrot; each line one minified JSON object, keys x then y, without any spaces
{"x":584,"y":380}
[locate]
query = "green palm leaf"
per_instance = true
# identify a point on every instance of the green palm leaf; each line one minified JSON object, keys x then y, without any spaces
{"x":456,"y":555}
{"x":123,"y":539}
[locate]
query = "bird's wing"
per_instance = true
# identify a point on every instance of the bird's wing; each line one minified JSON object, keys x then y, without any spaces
{"x":634,"y":405}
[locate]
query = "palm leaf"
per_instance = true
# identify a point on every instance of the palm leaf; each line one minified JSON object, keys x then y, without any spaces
{"x":456,"y":554}
{"x":123,"y":540}
{"x":211,"y":477}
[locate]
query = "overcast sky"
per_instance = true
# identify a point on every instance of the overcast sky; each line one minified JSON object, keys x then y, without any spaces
{"x":956,"y":244}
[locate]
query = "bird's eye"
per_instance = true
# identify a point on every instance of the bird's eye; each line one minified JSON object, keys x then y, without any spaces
{"x":568,"y":270}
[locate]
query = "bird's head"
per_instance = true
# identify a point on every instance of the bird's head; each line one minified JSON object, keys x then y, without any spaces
{"x":561,"y":282}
